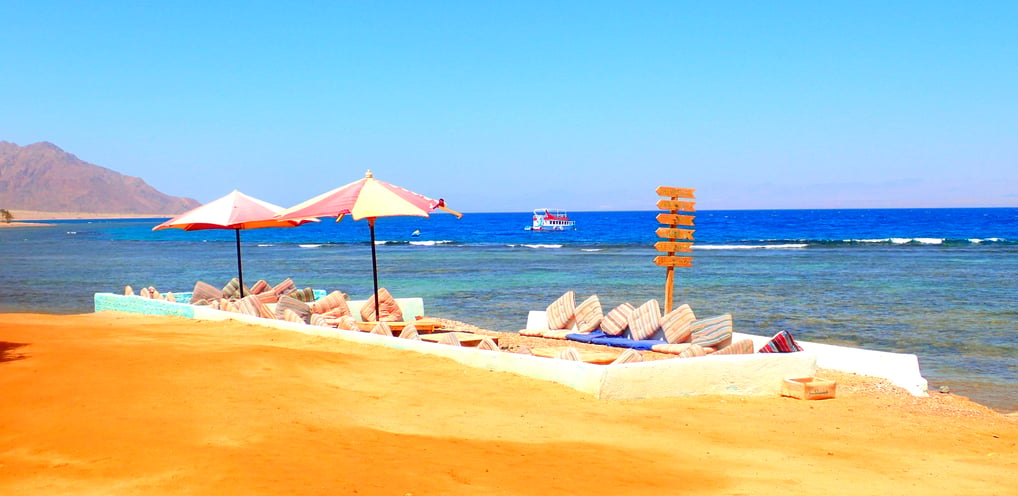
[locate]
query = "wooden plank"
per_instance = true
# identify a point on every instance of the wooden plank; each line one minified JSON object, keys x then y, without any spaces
{"x":673,"y":247}
{"x":676,"y":219}
{"x":673,"y":261}
{"x":666,"y":232}
{"x":677,"y":205}
{"x":676,"y":192}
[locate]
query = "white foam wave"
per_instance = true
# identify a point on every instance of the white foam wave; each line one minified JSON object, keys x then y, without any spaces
{"x":265,"y":244}
{"x":431,"y":243}
{"x":590,"y":249}
{"x":543,"y":246}
{"x":786,"y":246}
{"x":310,"y":246}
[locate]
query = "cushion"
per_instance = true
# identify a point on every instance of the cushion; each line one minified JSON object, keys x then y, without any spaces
{"x":622,"y":342}
{"x":584,"y":338}
{"x":588,"y":314}
{"x":289,"y":303}
{"x":487,"y":344}
{"x":409,"y":332}
{"x":291,"y":316}
{"x":450,"y":339}
{"x":561,"y":311}
{"x":557,"y":333}
{"x":318,"y":320}
{"x":569,"y":353}
{"x":345,"y":322}
{"x":782,"y":342}
{"x":694,"y":350}
{"x":740,"y":347}
{"x":715,"y":332}
{"x":382,"y":329}
{"x":252,"y":305}
{"x":672,"y":348}
{"x":205,"y":291}
{"x":284,"y":288}
{"x":335,"y":300}
{"x":645,"y":320}
{"x":676,"y":324}
{"x":387,"y":307}
{"x":260,"y":287}
{"x":617,"y":320}
{"x":628,"y":356}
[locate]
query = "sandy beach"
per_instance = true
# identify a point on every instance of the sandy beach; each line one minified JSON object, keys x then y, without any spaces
{"x":27,"y":218}
{"x":113,"y":403}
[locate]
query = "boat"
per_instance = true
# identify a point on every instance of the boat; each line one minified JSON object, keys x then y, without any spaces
{"x":546,"y":219}
{"x":416,"y":233}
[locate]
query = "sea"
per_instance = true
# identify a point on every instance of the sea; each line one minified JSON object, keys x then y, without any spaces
{"x":938,"y":283}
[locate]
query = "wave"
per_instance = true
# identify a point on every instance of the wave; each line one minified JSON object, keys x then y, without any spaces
{"x":430,"y":243}
{"x":310,"y":246}
{"x":535,"y":246}
{"x":784,"y":246}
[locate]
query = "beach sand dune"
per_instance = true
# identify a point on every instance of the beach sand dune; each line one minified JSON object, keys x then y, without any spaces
{"x":113,"y":403}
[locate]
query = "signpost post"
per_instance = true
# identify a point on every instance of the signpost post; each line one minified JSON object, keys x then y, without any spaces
{"x":679,"y":239}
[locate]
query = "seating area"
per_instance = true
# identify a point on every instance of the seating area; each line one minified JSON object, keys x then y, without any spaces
{"x":646,"y":328}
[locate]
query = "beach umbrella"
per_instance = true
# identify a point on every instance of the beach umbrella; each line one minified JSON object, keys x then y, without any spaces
{"x":234,"y":211}
{"x":367,"y":198}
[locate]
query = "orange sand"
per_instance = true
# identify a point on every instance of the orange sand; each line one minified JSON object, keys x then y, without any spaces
{"x":124,"y":404}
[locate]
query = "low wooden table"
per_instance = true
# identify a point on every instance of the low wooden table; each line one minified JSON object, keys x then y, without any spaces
{"x":422,"y":327}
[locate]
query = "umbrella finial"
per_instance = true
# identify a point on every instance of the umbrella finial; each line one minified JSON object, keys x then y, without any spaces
{"x":368,"y":174}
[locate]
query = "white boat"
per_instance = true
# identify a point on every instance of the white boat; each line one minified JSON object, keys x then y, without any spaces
{"x":546,"y":219}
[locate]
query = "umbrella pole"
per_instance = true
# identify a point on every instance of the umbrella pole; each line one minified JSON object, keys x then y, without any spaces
{"x":240,"y":267}
{"x":374,"y":264}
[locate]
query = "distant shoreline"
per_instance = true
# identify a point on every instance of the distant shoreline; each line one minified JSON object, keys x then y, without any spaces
{"x":24,"y":218}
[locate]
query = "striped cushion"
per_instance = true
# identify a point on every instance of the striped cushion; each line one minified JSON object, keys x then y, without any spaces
{"x":561,"y":311}
{"x":714,"y":332}
{"x":450,"y":339}
{"x":346,"y":322}
{"x":782,"y":342}
{"x":556,"y":333}
{"x":260,"y":287}
{"x":676,"y":324}
{"x":569,"y":353}
{"x":284,"y":288}
{"x":645,"y":320}
{"x":205,"y":291}
{"x":589,"y":315}
{"x":628,"y":356}
{"x":617,"y":320}
{"x":409,"y":332}
{"x":291,"y":316}
{"x":318,"y":320}
{"x":382,"y":329}
{"x":387,"y":307}
{"x":672,"y":348}
{"x":740,"y":347}
{"x":487,"y":344}
{"x":335,"y":300}
{"x":285,"y":302}
{"x":693,"y":351}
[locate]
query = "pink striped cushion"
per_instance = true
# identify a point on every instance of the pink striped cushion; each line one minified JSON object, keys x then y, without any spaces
{"x":741,"y":347}
{"x":569,"y":353}
{"x":382,"y":328}
{"x":693,"y":351}
{"x":676,"y":324}
{"x":672,"y":348}
{"x":628,"y":356}
{"x":589,"y":315}
{"x":617,"y":320}
{"x":561,"y":311}
{"x":409,"y":332}
{"x":487,"y":344}
{"x":645,"y":320}
{"x":714,"y":332}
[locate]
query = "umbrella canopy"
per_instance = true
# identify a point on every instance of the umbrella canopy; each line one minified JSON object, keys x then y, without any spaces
{"x":234,"y":211}
{"x":367,"y":198}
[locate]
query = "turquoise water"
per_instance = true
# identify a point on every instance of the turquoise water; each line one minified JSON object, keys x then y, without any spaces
{"x":939,"y":283}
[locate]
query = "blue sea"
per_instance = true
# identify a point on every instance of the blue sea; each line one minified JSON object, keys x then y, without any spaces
{"x":939,"y":283}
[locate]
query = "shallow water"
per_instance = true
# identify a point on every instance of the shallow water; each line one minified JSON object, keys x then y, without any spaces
{"x":843,"y":277}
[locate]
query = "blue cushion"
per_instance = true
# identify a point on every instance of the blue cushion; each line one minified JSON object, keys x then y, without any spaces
{"x":620,"y":342}
{"x":586,"y":338}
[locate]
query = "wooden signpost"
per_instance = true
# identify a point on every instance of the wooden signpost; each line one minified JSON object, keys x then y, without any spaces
{"x":679,"y":239}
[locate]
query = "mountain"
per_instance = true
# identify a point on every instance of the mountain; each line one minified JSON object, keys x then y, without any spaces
{"x":42,"y":177}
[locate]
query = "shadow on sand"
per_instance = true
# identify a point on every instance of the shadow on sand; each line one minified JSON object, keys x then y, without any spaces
{"x":8,"y":351}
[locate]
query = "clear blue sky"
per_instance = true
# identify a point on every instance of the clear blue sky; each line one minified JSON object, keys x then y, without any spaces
{"x":509,"y":106}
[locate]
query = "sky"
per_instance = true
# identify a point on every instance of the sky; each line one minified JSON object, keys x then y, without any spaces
{"x":515,"y":105}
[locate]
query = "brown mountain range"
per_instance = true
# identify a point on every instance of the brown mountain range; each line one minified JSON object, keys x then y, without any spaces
{"x":42,"y":177}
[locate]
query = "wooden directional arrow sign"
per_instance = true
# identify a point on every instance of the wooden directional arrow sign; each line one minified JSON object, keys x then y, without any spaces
{"x":675,"y":219}
{"x":673,"y":261}
{"x":665,"y":232}
{"x":681,"y":206}
{"x":673,"y":247}
{"x":675,"y":192}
